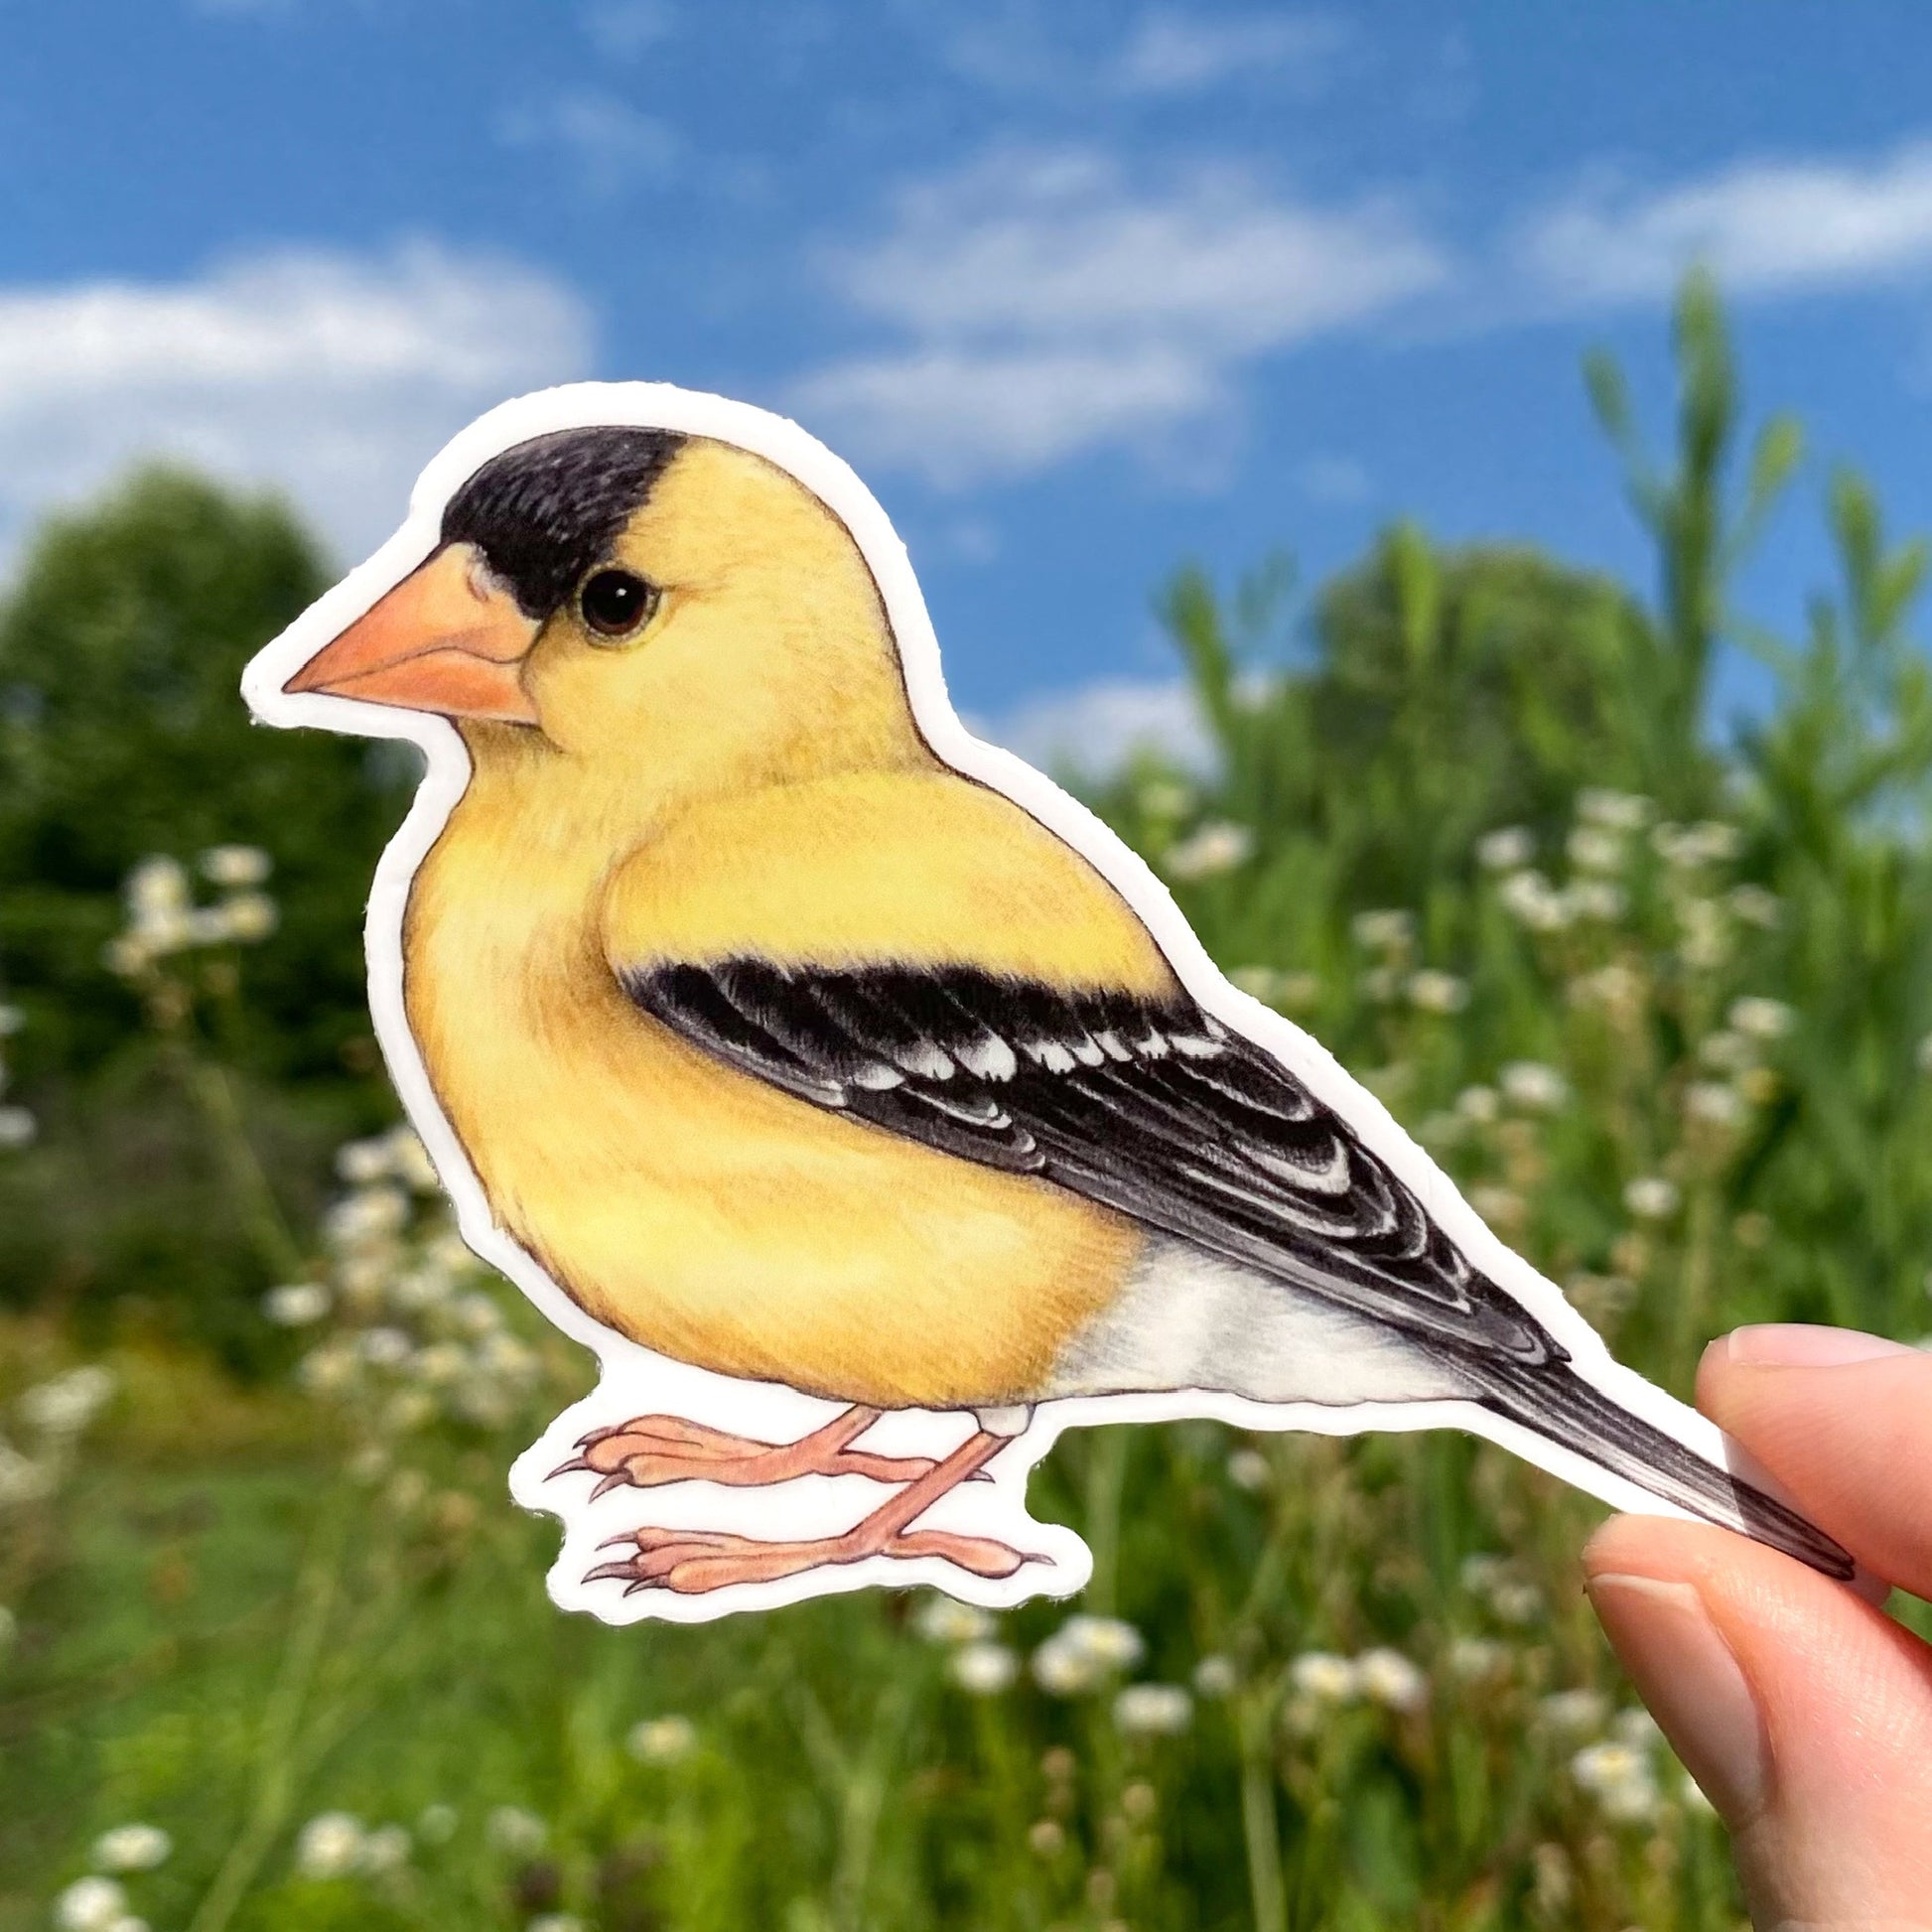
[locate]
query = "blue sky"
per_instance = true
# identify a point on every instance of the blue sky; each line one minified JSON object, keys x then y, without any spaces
{"x":1083,"y":290}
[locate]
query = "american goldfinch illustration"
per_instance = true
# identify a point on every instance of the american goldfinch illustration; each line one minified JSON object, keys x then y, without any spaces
{"x":791,"y":1050}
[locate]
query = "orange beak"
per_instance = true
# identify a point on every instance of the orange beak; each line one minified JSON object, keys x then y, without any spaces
{"x":448,"y":638}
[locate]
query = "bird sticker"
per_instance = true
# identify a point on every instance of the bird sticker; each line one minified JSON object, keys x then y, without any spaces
{"x":860,"y":1100}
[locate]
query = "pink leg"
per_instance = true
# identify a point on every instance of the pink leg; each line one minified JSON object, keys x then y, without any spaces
{"x":691,"y":1562}
{"x":653,"y":1449}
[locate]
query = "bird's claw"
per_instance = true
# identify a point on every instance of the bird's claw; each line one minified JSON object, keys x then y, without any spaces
{"x":692,"y":1562}
{"x":651,"y":1450}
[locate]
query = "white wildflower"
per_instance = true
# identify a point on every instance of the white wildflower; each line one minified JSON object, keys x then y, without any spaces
{"x":556,"y":1922}
{"x":386,"y":1849}
{"x":1325,"y":1677}
{"x":1249,"y":1469}
{"x":384,"y":1347}
{"x":1620,"y":1778}
{"x":1083,"y":1651}
{"x":437,"y":1825}
{"x":1530,"y":898}
{"x":132,"y":1848}
{"x":157,"y":886}
{"x":1705,"y":941}
{"x":91,"y":1904}
{"x":330,"y":1368}
{"x":1388,"y":1678}
{"x":1635,"y":1727}
{"x":1726,"y":1050}
{"x":1217,"y":846}
{"x":295,"y":1305}
{"x":1475,"y":1658}
{"x":1061,"y":1671}
{"x":982,"y":1669}
{"x":1479,"y":1104}
{"x":368,"y":1215}
{"x":946,"y":1619}
{"x":18,"y":1129}
{"x":1164,"y":798}
{"x":1515,"y":1600}
{"x":1714,"y":1103}
{"x":65,"y":1404}
{"x":1594,"y":849}
{"x":1389,"y":930}
{"x":1755,"y":906}
{"x":1616,"y":811}
{"x":1595,"y":899}
{"x":1383,"y":984}
{"x":12,"y":1019}
{"x":440,"y":1364}
{"x":476,"y":1314}
{"x":1761,"y":1019}
{"x":1576,"y":1714}
{"x":236,"y":865}
{"x":520,"y":1833}
{"x":1616,"y":988}
{"x":1534,"y":1087}
{"x":1154,"y":1710}
{"x":1688,"y":847}
{"x":328,"y":1846}
{"x":662,"y":1740}
{"x":1431,"y":991}
{"x":1215,"y":1677}
{"x":1650,"y":1197}
{"x":409,"y":1161}
{"x":1506,"y":849}
{"x":246,"y":917}
{"x":1482,"y":1572}
{"x":1110,"y":1641}
{"x":507,"y":1358}
{"x":363,"y":1162}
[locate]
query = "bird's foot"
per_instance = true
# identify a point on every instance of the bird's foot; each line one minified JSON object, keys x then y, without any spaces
{"x":650,"y":1451}
{"x":692,"y":1562}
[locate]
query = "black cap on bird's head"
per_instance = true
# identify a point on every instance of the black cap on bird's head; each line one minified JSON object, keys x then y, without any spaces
{"x":544,"y":512}
{"x":519,"y":538}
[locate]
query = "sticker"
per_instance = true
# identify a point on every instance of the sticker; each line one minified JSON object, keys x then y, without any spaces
{"x":860,"y":1100}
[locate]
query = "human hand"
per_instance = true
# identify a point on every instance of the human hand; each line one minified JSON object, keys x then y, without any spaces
{"x":1803,"y":1710}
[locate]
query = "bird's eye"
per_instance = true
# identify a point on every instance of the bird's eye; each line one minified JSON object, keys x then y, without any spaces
{"x":616,"y":603}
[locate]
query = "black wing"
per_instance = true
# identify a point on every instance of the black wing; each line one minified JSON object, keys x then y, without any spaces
{"x":1150,"y":1107}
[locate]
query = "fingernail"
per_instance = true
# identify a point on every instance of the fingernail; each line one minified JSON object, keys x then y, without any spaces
{"x":1801,"y":1344}
{"x":1687,"y":1676}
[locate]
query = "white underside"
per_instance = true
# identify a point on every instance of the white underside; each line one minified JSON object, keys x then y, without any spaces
{"x":1189,"y":1321}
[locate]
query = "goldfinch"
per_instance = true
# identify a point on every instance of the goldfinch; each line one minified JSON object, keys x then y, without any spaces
{"x":791,"y":1052}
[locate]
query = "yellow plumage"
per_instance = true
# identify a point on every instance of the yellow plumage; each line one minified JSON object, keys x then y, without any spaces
{"x":692,"y":1207}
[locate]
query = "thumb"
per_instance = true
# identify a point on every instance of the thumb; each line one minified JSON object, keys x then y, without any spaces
{"x":1803,"y":1712}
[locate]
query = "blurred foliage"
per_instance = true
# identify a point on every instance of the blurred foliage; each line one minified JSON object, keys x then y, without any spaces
{"x":1661,"y":1005}
{"x":121,"y":733}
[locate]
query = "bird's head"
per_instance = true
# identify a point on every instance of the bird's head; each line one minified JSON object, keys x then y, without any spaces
{"x":674,"y":604}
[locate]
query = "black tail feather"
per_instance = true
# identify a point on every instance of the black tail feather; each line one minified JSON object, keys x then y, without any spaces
{"x":1557,"y":1404}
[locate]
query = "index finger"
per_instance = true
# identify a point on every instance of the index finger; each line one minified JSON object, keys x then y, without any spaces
{"x":1844,"y":1422}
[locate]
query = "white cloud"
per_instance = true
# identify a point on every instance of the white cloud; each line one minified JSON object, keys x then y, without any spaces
{"x":332,"y":376}
{"x":1768,"y":226}
{"x":1043,"y":305}
{"x":1189,"y":54}
{"x":606,"y":141}
{"x":1092,"y":730}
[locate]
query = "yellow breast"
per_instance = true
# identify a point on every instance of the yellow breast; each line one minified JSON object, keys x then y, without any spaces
{"x":696,"y":1209}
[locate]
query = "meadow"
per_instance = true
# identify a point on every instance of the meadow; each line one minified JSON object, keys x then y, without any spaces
{"x":1653,"y":984}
